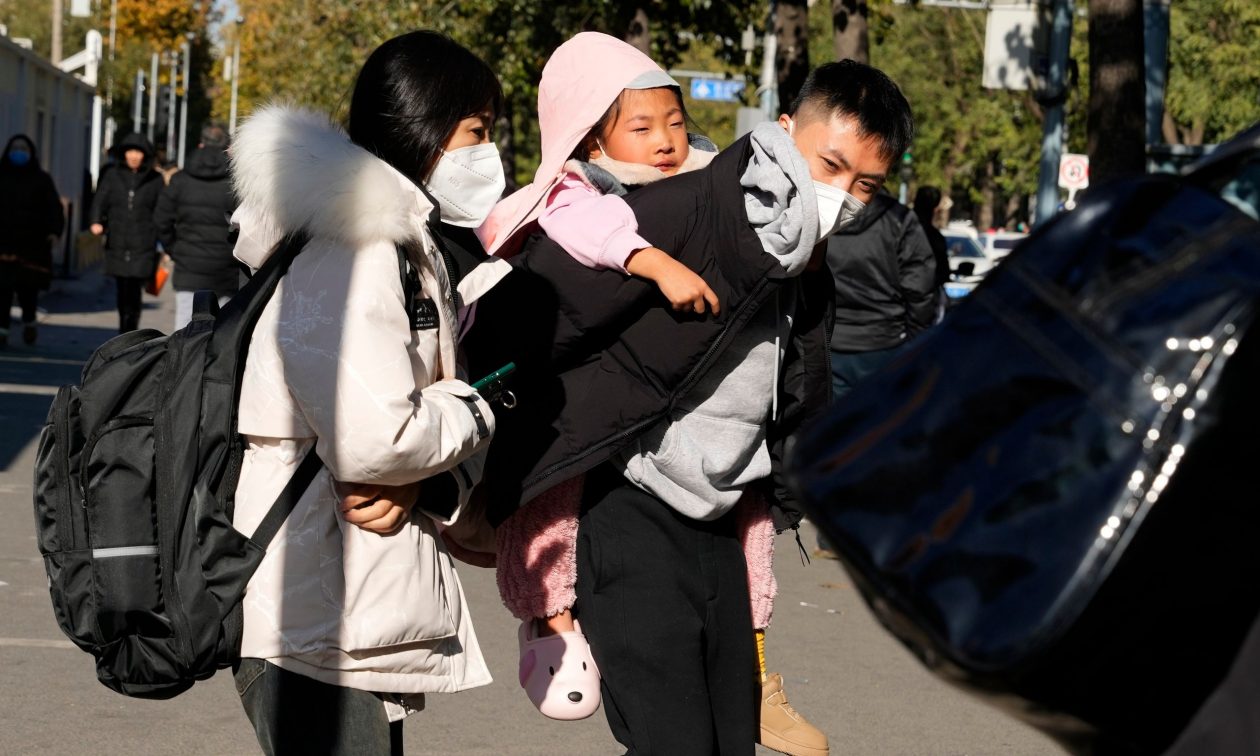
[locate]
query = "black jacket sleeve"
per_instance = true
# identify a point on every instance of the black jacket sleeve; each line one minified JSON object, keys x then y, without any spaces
{"x":165,"y":213}
{"x":100,"y":203}
{"x":918,"y":276}
{"x":805,"y":390}
{"x":54,"y":220}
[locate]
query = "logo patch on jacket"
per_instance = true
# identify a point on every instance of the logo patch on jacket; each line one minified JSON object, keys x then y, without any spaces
{"x":424,"y":314}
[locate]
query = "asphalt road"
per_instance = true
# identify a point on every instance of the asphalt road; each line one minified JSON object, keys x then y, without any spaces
{"x":841,"y":670}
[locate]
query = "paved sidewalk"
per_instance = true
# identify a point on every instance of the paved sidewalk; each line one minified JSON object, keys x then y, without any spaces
{"x":841,"y":670}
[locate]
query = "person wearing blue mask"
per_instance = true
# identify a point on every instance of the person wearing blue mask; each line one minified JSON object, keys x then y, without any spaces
{"x":32,"y":217}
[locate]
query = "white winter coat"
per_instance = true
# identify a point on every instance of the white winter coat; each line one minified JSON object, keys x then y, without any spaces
{"x":334,"y":362}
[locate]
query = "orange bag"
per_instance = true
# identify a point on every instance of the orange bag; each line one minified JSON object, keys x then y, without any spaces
{"x":160,"y":274}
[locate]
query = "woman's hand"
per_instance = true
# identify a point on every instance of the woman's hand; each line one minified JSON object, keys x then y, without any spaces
{"x":377,"y":509}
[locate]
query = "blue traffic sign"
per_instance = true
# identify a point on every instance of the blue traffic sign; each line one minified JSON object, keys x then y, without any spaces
{"x":720,"y":90}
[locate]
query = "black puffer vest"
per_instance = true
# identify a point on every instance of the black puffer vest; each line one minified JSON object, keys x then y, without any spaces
{"x":602,"y":357}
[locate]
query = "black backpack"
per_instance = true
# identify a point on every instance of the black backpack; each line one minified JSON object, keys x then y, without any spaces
{"x":134,"y":484}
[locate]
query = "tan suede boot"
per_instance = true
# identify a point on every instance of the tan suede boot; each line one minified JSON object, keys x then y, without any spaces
{"x":783,"y":728}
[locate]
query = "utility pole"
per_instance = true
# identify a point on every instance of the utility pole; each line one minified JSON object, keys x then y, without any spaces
{"x":172,"y":122}
{"x":110,"y":126}
{"x":155,"y":91}
{"x":137,"y":102}
{"x":1052,"y":99}
{"x":769,"y":84}
{"x":236,"y":75}
{"x":56,"y":31}
{"x":183,"y":104}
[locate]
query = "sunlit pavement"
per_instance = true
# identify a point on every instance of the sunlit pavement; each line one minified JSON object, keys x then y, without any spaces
{"x":840,"y":669}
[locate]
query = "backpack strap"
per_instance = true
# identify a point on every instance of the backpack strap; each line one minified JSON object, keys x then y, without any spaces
{"x":287,"y":499}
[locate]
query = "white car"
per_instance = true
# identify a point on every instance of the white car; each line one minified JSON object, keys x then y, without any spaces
{"x":968,"y":264}
{"x":998,"y":244}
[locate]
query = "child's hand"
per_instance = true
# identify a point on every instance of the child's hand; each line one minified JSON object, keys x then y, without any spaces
{"x":683,"y":288}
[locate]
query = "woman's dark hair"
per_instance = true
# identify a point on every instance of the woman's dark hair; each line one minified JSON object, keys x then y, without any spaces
{"x":609,"y":119}
{"x":412,"y":92}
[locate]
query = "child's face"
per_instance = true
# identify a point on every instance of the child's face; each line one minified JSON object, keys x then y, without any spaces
{"x":649,"y":130}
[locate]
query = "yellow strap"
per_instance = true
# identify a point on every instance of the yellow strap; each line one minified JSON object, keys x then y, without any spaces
{"x":761,"y":653}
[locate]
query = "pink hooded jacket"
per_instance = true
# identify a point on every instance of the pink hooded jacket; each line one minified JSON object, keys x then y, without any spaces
{"x":572,"y":96}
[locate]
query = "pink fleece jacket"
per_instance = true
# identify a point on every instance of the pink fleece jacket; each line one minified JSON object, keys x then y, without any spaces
{"x":598,"y":230}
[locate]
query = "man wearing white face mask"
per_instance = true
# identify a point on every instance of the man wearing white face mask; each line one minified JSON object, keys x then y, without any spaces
{"x":879,"y":256}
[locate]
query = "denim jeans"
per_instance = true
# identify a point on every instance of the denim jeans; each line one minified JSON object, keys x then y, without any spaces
{"x":293,"y":714}
{"x":849,"y":368}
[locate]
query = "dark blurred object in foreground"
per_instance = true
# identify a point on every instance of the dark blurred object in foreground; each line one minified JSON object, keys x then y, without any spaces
{"x":1050,"y":499}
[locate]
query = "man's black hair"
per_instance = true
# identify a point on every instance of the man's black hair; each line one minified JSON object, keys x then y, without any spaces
{"x":214,"y":135}
{"x":855,"y":90}
{"x":412,"y":93}
{"x":926,"y":199}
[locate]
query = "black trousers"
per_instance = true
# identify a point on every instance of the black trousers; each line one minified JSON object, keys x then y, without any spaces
{"x":129,"y":290}
{"x":27,"y":297}
{"x":663,"y":600}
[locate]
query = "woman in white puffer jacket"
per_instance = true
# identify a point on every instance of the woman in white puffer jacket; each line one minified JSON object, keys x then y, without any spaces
{"x":355,"y":614}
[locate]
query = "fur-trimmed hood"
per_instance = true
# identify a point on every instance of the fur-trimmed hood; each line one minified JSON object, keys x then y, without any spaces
{"x":294,"y":168}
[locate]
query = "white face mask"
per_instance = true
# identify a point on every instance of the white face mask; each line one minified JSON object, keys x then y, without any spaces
{"x":467,"y":183}
{"x":836,"y":209}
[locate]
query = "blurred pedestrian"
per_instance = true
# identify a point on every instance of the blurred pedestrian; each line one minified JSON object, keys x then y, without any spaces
{"x":123,"y":210}
{"x":193,"y":221}
{"x":31,"y":219}
{"x":885,"y":289}
{"x":926,"y":200}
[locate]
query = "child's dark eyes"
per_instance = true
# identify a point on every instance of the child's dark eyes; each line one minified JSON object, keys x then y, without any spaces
{"x":830,"y":165}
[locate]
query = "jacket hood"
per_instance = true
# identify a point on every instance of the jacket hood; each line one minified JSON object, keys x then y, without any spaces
{"x":136,"y":142}
{"x":581,"y":80}
{"x":879,"y":205}
{"x":293,"y":168}
{"x":209,"y":163}
{"x":30,"y":145}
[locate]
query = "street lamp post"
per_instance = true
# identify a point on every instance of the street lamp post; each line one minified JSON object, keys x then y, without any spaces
{"x":183,"y":105}
{"x":154,"y":92}
{"x":171,"y":120}
{"x":236,"y":75}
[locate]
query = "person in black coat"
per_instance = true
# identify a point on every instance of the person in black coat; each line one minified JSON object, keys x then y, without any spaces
{"x":31,"y":217}
{"x":123,"y":210}
{"x":885,"y":289}
{"x":193,"y":217}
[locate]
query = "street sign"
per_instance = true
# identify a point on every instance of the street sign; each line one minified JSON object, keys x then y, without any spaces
{"x":717,"y":90}
{"x":1073,"y":172}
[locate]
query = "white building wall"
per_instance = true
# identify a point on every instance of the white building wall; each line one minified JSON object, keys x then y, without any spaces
{"x":54,"y":109}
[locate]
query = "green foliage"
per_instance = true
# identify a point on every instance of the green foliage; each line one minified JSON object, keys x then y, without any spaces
{"x":981,"y":147}
{"x":143,"y":27}
{"x":309,"y":51}
{"x":1213,"y":68}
